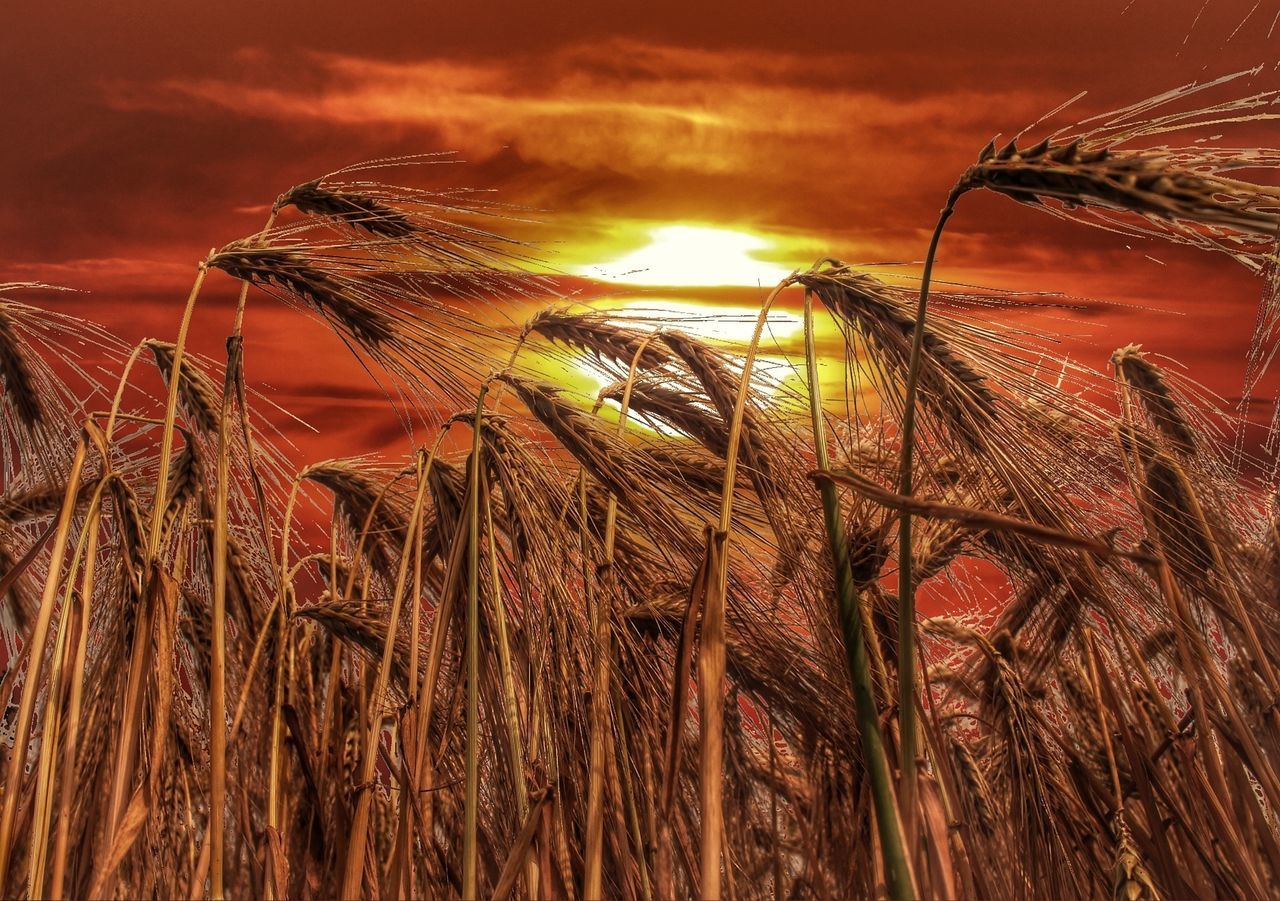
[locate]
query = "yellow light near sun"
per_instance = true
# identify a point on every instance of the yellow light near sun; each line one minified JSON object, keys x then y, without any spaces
{"x":718,"y":323}
{"x":731,"y":327}
{"x":701,"y":257}
{"x":692,"y":256}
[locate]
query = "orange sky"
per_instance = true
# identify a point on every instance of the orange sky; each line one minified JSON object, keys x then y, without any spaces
{"x":138,"y":135}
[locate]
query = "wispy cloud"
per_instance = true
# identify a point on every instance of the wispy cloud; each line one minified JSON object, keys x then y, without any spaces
{"x":837,"y":146}
{"x":620,"y":105}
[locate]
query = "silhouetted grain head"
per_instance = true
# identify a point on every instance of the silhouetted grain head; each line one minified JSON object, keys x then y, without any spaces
{"x":713,"y":373}
{"x":710,"y":367}
{"x":130,"y":526}
{"x":366,"y":504}
{"x":1148,"y":381}
{"x":1159,"y":644}
{"x":683,"y":467}
{"x":867,"y":531}
{"x":286,"y":270}
{"x":1182,"y":534}
{"x":1101,"y":173}
{"x":201,"y":398}
{"x":672,"y":408}
{"x":941,"y":544}
{"x":976,"y":792}
{"x":1151,"y":184}
{"x":581,"y":435}
{"x":360,"y":627}
{"x":1132,"y":881}
{"x":19,"y":386}
{"x":951,"y":387}
{"x":50,"y":363}
{"x":241,"y":592}
{"x":21,"y":505}
{"x":1135,"y":445}
{"x":185,"y":480}
{"x":600,"y":335}
{"x":196,"y":629}
{"x":1078,"y":694}
{"x":450,"y":232}
{"x":357,"y":210}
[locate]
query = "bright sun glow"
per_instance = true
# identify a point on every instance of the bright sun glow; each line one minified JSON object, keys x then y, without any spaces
{"x":725,"y":325}
{"x":692,"y":256}
{"x":720,"y":323}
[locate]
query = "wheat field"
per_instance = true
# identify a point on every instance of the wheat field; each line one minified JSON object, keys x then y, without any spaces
{"x":661,"y":642}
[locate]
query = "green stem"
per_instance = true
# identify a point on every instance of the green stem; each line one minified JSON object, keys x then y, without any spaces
{"x":898,"y":878}
{"x":906,"y":587}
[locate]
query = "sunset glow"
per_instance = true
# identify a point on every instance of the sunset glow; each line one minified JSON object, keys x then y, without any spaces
{"x":693,"y":256}
{"x":722,"y":323}
{"x":684,"y":164}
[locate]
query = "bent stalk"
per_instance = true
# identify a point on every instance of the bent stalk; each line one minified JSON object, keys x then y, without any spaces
{"x":897,"y":867}
{"x":906,"y":586}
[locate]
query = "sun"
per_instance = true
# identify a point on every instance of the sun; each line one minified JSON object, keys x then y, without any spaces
{"x":692,"y":256}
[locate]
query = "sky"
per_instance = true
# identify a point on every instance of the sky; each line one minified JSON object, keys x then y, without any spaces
{"x":138,"y":135}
